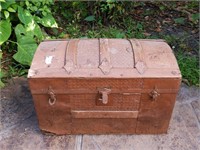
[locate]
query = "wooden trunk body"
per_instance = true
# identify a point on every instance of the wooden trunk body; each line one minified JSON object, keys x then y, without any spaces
{"x":104,"y":86}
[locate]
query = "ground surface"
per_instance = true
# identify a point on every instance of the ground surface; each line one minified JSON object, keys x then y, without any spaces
{"x":19,"y":128}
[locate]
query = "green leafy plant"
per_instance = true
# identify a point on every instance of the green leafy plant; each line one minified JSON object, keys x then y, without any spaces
{"x":5,"y":28}
{"x":25,"y":18}
{"x":21,"y":23}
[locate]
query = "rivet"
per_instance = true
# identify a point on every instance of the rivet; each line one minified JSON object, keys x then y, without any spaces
{"x":53,"y":49}
{"x":128,"y":50}
{"x":174,"y":72}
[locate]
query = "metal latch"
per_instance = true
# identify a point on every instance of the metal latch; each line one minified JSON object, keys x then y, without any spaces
{"x":104,"y":95}
{"x":154,"y":94}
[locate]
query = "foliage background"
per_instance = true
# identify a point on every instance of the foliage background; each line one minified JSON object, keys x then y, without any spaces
{"x":24,"y":24}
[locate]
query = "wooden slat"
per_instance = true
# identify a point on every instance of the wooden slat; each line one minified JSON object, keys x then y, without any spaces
{"x":104,"y":114}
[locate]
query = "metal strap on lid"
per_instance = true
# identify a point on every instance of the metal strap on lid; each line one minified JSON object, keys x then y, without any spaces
{"x":140,"y":64}
{"x":71,"y":56}
{"x":105,"y":62}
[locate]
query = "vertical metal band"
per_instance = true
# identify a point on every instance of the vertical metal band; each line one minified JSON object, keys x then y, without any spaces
{"x":139,"y":60}
{"x":71,"y":56}
{"x":104,"y":56}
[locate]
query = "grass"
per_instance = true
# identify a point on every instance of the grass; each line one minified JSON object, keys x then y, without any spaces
{"x":189,"y":66}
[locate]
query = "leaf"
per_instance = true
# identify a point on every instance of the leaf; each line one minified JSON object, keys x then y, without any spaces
{"x":1,"y":84}
{"x":1,"y":76}
{"x":6,"y":13}
{"x":162,"y":7}
{"x":44,"y":13}
{"x":26,"y":49}
{"x":25,"y":16}
{"x":195,"y":17}
{"x":34,"y":29}
{"x":5,"y":31}
{"x":47,"y":21}
{"x":20,"y":31}
{"x":37,"y":32}
{"x":90,"y":18}
{"x":15,"y":6}
{"x":1,"y":54}
{"x":120,"y":35}
{"x":2,"y":1}
{"x":7,"y":4}
{"x":180,"y":20}
{"x":10,"y":9}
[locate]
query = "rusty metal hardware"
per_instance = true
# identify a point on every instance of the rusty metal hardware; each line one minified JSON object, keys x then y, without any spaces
{"x":104,"y":95}
{"x":154,"y":94}
{"x":52,"y":96}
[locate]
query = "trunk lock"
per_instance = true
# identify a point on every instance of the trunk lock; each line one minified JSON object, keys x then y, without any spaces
{"x":104,"y":95}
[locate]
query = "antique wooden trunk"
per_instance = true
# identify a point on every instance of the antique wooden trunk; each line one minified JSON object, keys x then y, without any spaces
{"x":104,"y":86}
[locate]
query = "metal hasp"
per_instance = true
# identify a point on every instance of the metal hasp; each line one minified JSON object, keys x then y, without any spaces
{"x":104,"y":95}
